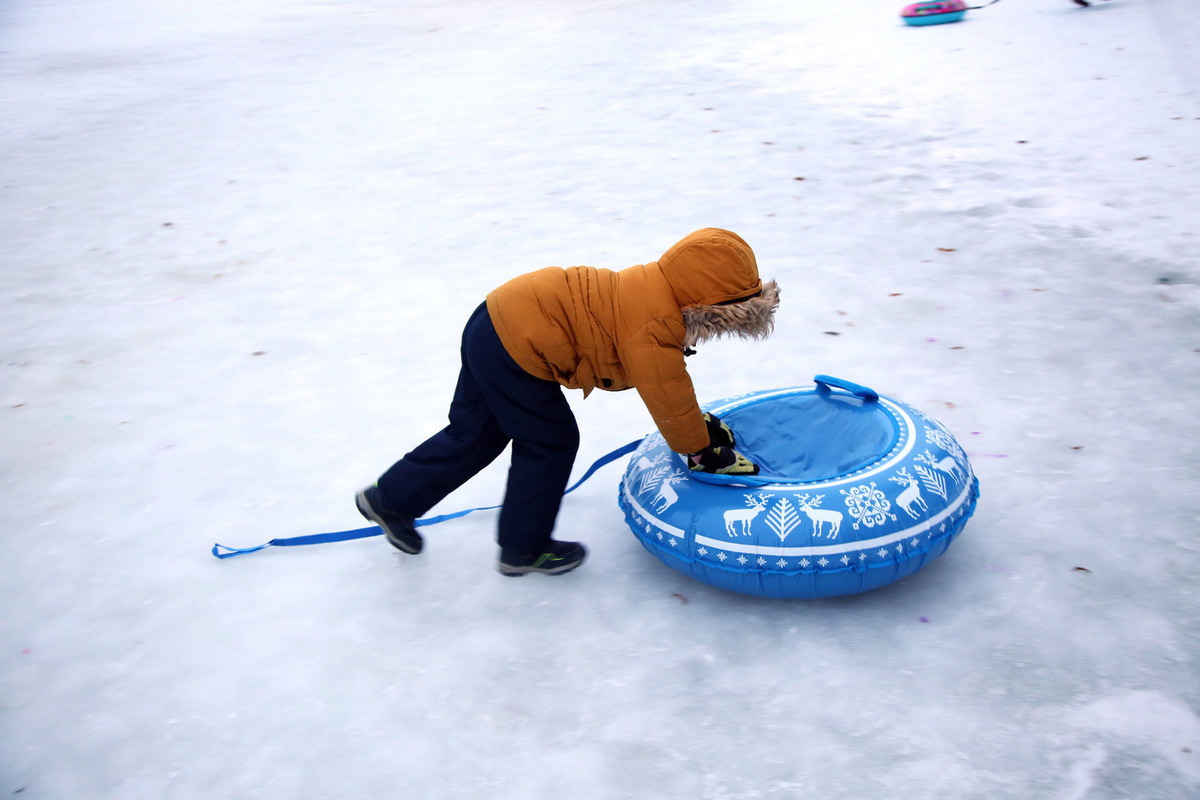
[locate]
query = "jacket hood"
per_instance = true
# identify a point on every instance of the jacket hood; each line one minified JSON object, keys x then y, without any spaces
{"x":715,"y":279}
{"x":710,"y":266}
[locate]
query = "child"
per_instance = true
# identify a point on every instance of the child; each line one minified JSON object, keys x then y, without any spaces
{"x":582,"y":328}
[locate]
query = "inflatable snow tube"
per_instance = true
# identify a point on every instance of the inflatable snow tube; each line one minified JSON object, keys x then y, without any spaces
{"x":855,"y":491}
{"x":936,"y":12}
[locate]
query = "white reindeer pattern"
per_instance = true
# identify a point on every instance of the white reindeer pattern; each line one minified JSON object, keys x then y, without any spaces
{"x":911,"y":495}
{"x":820,"y":516}
{"x":949,"y":466}
{"x":645,"y":465}
{"x":666,"y":496}
{"x":743,"y":516}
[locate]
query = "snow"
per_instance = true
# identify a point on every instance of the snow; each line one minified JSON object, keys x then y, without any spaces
{"x":239,"y":243}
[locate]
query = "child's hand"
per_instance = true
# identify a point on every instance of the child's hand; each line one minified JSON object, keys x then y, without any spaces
{"x":722,"y":461}
{"x":719,"y":434}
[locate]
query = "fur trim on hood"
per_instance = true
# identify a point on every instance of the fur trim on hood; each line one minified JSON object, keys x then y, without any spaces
{"x":753,"y":318}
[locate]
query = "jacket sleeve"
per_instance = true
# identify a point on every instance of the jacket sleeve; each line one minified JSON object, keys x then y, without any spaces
{"x":653,"y":360}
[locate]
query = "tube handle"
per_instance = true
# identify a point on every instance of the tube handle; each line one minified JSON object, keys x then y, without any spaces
{"x":858,"y":390}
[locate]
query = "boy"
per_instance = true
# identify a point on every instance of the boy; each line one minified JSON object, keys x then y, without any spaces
{"x":582,"y":328}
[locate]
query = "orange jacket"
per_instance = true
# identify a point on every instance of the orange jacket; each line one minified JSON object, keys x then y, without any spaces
{"x":593,"y":328}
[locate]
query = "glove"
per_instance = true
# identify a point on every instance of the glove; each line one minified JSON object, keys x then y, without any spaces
{"x":719,"y":434}
{"x":722,"y":461}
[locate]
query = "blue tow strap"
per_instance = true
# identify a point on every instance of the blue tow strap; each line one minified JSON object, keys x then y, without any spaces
{"x":222,"y":551}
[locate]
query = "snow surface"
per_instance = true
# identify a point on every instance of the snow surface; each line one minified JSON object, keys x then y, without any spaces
{"x":239,"y":240}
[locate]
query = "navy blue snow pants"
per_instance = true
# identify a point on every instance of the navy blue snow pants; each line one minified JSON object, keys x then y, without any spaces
{"x":495,"y":402}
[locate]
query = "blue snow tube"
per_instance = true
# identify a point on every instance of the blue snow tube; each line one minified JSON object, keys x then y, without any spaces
{"x":855,"y":491}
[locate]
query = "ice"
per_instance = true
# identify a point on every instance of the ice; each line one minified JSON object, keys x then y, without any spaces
{"x":239,"y":243}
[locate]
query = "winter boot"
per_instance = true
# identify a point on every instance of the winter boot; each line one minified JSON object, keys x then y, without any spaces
{"x":400,"y":532}
{"x":558,"y":557}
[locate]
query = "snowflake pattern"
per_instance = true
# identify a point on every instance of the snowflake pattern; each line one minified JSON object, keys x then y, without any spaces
{"x":868,"y":505}
{"x":894,"y":550}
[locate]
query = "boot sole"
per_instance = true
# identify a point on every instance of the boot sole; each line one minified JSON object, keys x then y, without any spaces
{"x":364,"y":508}
{"x":517,"y":572}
